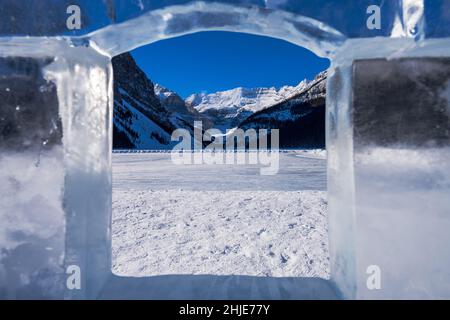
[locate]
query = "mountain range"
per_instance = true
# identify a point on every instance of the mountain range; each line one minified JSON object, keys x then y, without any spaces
{"x":146,"y":114}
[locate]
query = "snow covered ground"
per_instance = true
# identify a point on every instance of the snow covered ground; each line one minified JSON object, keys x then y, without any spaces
{"x":219,"y":219}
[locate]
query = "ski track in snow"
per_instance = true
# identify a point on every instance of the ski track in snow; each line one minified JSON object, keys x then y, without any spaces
{"x":160,"y":229}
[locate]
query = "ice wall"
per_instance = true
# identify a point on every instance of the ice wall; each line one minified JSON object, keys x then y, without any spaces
{"x":387,"y":140}
{"x":31,"y":213}
{"x":401,"y":132}
{"x":55,"y":183}
{"x":44,"y":18}
{"x":389,"y":182}
{"x":339,"y":144}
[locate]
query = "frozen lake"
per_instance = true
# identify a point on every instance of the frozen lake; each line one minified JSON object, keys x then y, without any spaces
{"x":297,"y":171}
{"x":219,"y":219}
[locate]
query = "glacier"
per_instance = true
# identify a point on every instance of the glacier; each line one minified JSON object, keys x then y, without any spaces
{"x":387,"y":183}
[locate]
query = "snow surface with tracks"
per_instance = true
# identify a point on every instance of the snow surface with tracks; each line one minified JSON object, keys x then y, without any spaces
{"x":219,"y":219}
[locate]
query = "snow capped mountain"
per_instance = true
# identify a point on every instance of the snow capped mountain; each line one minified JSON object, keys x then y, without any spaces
{"x":146,"y":114}
{"x":228,"y":108}
{"x":182,"y":115}
{"x":168,"y":97}
{"x":300,"y":119}
{"x":254,"y":99}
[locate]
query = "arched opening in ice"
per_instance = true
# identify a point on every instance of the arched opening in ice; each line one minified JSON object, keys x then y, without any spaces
{"x":299,"y":30}
{"x":82,"y":75}
{"x":222,"y":218}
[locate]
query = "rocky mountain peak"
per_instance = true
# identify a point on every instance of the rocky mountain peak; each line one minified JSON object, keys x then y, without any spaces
{"x":133,"y":80}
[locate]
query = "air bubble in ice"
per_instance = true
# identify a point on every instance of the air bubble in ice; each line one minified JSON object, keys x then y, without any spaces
{"x":413,"y":31}
{"x":45,"y":88}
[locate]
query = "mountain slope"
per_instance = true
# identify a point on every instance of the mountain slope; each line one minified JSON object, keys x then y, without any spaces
{"x":300,"y":119}
{"x":140,"y":121}
{"x":182,"y":115}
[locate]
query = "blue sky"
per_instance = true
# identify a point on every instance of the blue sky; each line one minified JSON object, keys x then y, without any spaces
{"x":216,"y":61}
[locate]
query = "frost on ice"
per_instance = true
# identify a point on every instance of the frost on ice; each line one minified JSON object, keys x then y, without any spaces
{"x":393,"y":144}
{"x":31,"y":182}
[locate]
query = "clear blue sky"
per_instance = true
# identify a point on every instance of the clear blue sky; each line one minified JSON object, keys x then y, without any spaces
{"x":216,"y":61}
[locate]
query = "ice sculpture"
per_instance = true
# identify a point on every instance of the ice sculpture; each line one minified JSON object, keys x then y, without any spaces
{"x":55,"y":167}
{"x":32,"y":215}
{"x":401,"y":145}
{"x":388,"y":139}
{"x":387,"y":136}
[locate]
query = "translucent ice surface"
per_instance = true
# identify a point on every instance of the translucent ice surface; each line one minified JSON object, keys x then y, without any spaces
{"x":347,"y":17}
{"x":389,"y":182}
{"x":401,"y":124}
{"x":31,"y":182}
{"x":54,"y":168}
{"x":32,"y":228}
